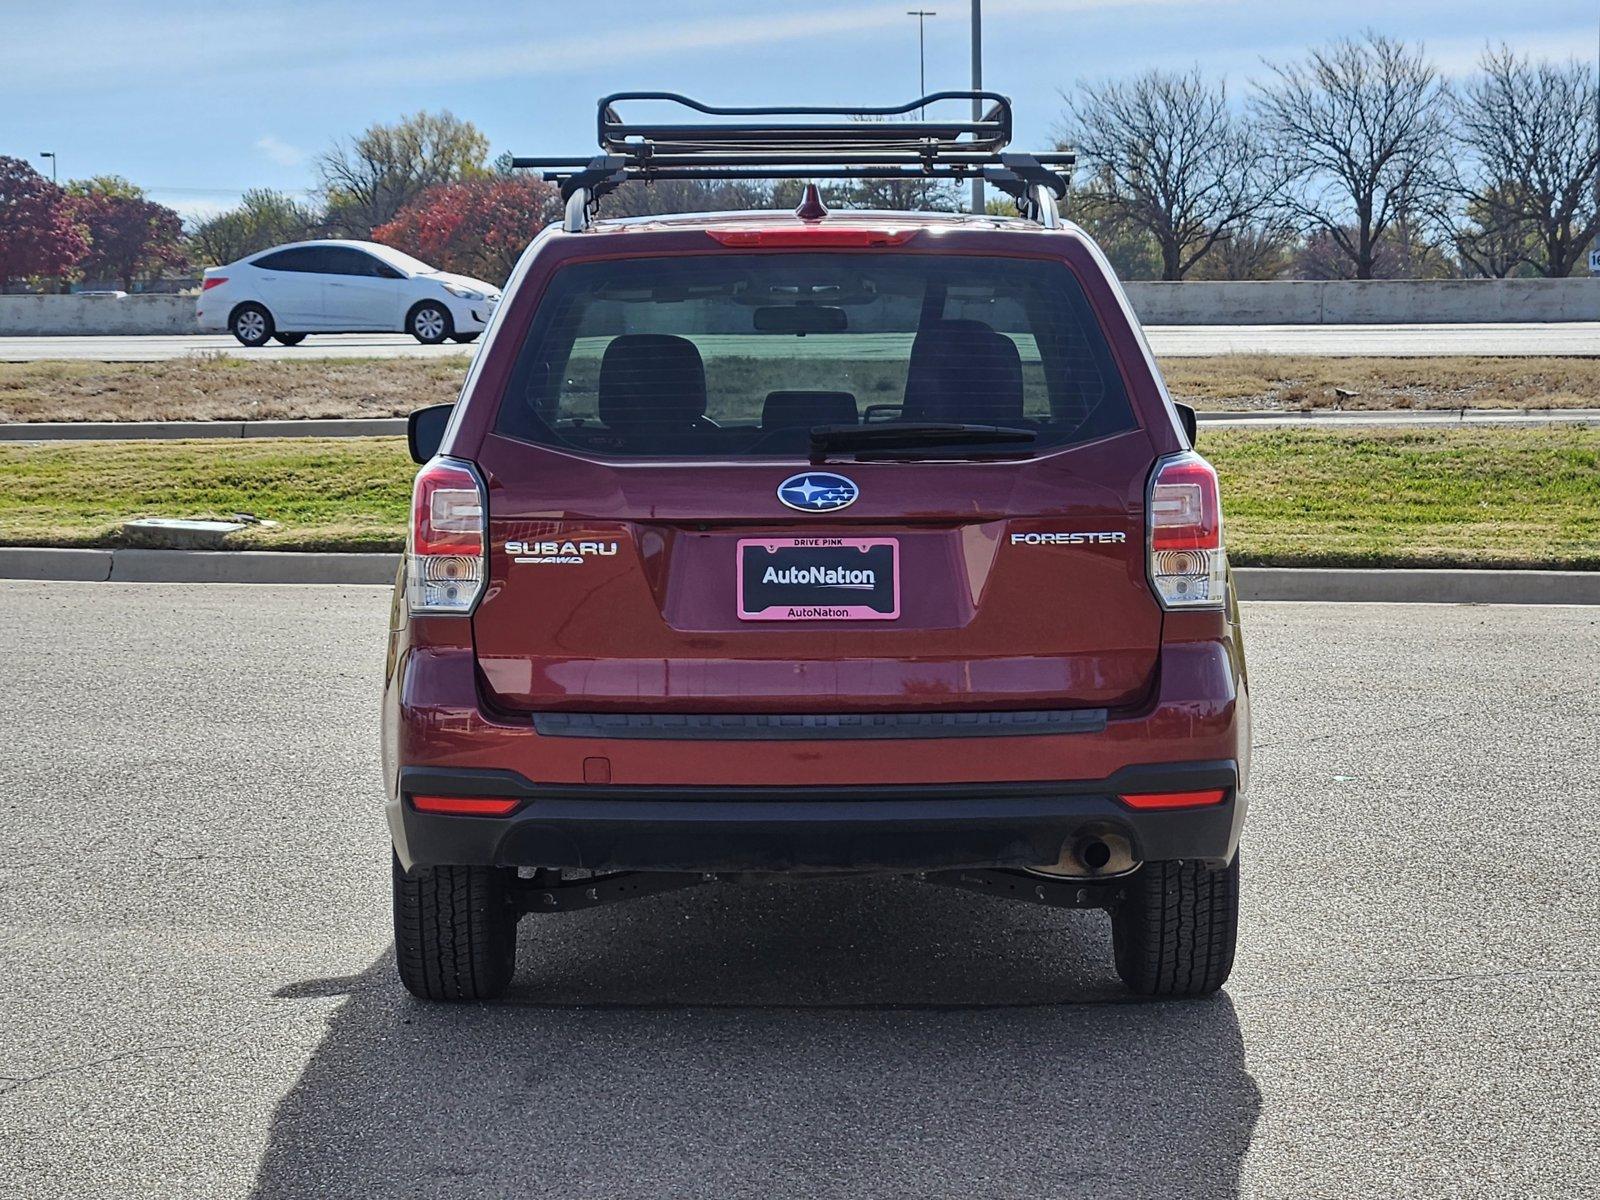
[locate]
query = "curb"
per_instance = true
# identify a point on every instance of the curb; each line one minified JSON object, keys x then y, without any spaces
{"x":1254,"y":583}
{"x":328,"y":427}
{"x":196,"y":566}
{"x":1407,"y":586}
{"x":117,"y":431}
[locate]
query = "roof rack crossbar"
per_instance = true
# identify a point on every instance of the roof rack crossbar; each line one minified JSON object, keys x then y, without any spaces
{"x":990,"y":132}
{"x":862,"y":148}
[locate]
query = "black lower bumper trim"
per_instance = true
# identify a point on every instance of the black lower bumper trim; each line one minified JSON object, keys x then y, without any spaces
{"x":604,"y":828}
{"x":813,"y":727}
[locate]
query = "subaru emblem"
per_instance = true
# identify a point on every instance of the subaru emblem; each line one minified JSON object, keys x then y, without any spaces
{"x":818,"y":491}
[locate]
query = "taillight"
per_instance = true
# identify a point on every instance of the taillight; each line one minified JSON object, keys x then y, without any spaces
{"x":1188,"y":563}
{"x":213,"y":281}
{"x":445,"y":546}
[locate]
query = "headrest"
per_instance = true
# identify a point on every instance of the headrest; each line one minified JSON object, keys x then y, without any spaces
{"x":651,"y":381}
{"x":963,"y":371}
{"x":790,"y":410}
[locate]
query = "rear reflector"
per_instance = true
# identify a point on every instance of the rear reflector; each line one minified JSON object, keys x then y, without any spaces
{"x":466,"y":806}
{"x":813,"y":235}
{"x":212,"y":282}
{"x":1174,"y":799}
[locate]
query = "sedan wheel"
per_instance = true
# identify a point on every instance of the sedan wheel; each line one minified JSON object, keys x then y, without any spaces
{"x":430,"y":324}
{"x":251,"y":324}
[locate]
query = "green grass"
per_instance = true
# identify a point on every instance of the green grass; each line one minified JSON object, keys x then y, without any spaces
{"x":1506,"y":497}
{"x":326,"y":493}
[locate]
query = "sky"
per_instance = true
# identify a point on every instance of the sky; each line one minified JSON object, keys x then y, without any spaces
{"x":198,"y":101}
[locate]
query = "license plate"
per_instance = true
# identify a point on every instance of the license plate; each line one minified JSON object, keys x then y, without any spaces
{"x":819,"y":579}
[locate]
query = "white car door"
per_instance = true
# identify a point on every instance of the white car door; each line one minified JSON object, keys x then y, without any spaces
{"x":287,"y":283}
{"x":362,"y":293}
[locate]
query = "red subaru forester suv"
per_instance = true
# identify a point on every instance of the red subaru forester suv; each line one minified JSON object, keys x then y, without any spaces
{"x":819,"y":542}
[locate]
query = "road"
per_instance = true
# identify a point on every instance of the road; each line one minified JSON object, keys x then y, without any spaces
{"x":1169,"y":341}
{"x":200,"y":999}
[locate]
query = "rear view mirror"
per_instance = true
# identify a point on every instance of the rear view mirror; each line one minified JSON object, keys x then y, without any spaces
{"x":1187,"y":418}
{"x":425,"y":430}
{"x":800,"y":318}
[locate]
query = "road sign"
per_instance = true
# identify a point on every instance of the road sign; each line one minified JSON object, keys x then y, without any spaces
{"x":1594,"y":262}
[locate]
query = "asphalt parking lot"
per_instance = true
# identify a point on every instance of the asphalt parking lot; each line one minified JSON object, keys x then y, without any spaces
{"x":199,"y":996}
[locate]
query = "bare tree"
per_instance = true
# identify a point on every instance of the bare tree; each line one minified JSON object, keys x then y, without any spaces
{"x":1530,"y":127}
{"x":1362,"y":128}
{"x":1489,"y":237}
{"x":1174,"y":158}
{"x":368,"y":179}
{"x":1263,"y":249}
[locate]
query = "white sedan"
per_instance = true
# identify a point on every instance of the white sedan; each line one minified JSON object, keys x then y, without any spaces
{"x":341,"y":287}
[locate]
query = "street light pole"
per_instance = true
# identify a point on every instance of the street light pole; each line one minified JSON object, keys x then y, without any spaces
{"x":922,"y":74}
{"x":977,"y":86}
{"x":51,"y":155}
{"x":1594,"y":253}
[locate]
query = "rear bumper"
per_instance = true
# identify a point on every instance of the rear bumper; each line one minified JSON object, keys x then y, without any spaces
{"x":716,"y":792}
{"x":876,"y":828}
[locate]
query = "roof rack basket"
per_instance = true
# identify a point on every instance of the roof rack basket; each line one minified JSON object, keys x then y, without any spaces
{"x":837,"y":143}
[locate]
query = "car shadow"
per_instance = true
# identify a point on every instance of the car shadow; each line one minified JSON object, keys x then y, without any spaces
{"x":858,"y":1037}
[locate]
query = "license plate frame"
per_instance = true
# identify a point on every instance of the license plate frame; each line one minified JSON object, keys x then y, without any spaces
{"x":875,"y":603}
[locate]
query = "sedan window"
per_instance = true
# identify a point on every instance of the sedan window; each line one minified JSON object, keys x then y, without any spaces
{"x":342,"y":260}
{"x":300,"y":258}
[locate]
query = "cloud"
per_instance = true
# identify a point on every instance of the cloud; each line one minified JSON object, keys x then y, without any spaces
{"x":279,"y":151}
{"x":643,"y":42}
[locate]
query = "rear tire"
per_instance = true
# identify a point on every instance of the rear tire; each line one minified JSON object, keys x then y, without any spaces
{"x":251,"y":324}
{"x":463,"y":338}
{"x":289,"y":339}
{"x":430,"y":323}
{"x":1175,"y":933}
{"x":455,"y":932}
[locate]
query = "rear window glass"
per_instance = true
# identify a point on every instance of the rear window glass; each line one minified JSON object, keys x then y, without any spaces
{"x":743,"y":355}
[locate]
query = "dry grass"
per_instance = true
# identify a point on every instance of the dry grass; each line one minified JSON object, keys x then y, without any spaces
{"x":1303,"y":382}
{"x":225,"y":388}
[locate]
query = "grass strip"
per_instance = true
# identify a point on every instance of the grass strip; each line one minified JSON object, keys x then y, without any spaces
{"x":1480,"y":497}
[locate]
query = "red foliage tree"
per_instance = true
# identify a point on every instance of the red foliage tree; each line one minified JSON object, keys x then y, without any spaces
{"x":128,"y":237}
{"x":39,"y":234}
{"x":479,"y":227}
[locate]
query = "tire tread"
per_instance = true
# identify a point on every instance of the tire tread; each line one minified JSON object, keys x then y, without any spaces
{"x":454,"y":932}
{"x":1176,"y":932}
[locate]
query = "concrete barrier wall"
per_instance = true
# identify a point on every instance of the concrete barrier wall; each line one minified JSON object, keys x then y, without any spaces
{"x":1277,"y":302}
{"x":68,"y":316}
{"x":1366,"y":302}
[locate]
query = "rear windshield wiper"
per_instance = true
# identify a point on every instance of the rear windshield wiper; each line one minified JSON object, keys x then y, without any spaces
{"x":912,"y":435}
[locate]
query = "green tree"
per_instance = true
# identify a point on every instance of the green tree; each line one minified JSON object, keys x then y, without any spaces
{"x":367,"y":180}
{"x":112,"y":186}
{"x":264,"y":218}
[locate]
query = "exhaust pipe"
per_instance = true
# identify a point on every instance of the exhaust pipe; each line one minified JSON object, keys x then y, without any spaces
{"x":1093,"y":854}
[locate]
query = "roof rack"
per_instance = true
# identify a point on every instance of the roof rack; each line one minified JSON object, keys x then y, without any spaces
{"x":867,"y":143}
